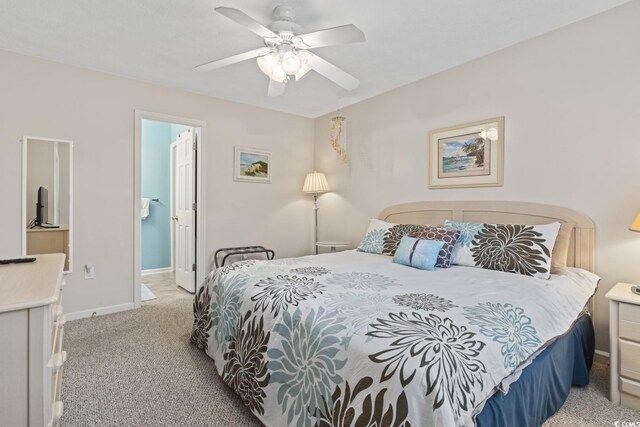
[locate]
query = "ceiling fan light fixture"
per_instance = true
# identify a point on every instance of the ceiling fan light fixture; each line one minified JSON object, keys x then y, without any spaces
{"x":291,"y":63}
{"x":285,"y":53}
{"x":278,"y":74}
{"x":264,"y":65}
{"x":267,"y":63}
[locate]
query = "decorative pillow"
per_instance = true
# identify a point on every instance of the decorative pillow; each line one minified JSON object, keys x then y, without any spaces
{"x":448,"y":237}
{"x":561,"y":248}
{"x":418,"y":253}
{"x":383,"y":237}
{"x":522,"y":249}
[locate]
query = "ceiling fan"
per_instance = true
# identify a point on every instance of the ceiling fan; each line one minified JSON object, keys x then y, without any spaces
{"x":286,"y":52}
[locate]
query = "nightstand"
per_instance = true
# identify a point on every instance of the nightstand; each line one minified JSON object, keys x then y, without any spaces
{"x":624,"y":341}
{"x":333,"y":246}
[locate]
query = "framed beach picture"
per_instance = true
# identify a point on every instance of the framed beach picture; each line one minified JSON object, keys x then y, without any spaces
{"x":468,"y":155}
{"x":252,"y":165}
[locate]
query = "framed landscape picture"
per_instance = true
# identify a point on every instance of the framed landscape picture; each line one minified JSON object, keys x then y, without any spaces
{"x":252,"y":165}
{"x":468,"y":155}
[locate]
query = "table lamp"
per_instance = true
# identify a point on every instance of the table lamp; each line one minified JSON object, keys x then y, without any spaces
{"x":315,"y":183}
{"x":635,"y":226}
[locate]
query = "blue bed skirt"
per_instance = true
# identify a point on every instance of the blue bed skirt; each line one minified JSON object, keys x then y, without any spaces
{"x":544,"y":385}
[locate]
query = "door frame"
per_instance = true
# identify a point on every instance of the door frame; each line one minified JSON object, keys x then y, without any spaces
{"x":201,"y":258}
{"x":172,"y":153}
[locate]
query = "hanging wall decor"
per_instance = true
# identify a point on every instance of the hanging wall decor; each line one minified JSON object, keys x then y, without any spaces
{"x":468,"y":155}
{"x":252,"y":165}
{"x":338,"y":137}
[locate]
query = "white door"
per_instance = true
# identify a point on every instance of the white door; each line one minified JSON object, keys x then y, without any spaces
{"x":185,"y":212}
{"x":173,"y":155}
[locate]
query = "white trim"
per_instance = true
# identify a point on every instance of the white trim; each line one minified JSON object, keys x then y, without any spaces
{"x":23,"y":231}
{"x":201,"y":257}
{"x":172,"y":229}
{"x":602,"y":356}
{"x":56,"y":184}
{"x":99,"y":311}
{"x":151,"y":271}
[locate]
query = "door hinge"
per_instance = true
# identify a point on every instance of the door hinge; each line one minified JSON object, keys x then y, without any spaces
{"x":193,"y":267}
{"x":195,"y":206}
{"x":195,"y":146}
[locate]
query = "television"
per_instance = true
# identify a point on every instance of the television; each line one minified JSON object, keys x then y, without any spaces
{"x":42,"y":206}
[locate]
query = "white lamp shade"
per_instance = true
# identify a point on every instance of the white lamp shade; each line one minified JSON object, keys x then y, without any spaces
{"x":267,"y":62}
{"x":278,"y":74}
{"x":315,"y":182}
{"x":291,"y":63}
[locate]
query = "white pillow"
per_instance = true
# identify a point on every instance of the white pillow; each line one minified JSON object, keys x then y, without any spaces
{"x":522,"y":249}
{"x":373,"y":240}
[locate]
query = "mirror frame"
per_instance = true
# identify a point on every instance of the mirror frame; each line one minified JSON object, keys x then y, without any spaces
{"x":24,"y":141}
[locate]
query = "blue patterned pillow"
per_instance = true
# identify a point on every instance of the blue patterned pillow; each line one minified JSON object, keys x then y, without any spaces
{"x":418,"y":253}
{"x":372,"y":242}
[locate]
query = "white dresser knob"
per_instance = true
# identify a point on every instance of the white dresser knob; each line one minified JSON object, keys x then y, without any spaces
{"x":56,"y":411}
{"x":61,"y":320}
{"x":57,"y":311}
{"x":57,"y":360}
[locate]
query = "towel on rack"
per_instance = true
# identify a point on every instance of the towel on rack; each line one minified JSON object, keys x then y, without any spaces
{"x":144,"y":208}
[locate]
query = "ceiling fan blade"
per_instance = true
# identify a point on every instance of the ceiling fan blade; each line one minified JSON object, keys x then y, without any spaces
{"x":333,"y":73}
{"x":243,"y":19}
{"x":331,"y":36}
{"x":219,"y":63}
{"x":275,"y":88}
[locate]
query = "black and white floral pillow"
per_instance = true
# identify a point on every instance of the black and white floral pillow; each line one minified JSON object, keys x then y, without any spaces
{"x":513,"y":248}
{"x":383,"y":237}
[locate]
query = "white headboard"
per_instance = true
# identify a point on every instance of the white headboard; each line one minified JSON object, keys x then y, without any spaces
{"x":581,"y":250}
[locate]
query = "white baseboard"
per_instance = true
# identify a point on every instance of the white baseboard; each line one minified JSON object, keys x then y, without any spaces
{"x":156,"y":271}
{"x":602,"y":356}
{"x":99,"y":311}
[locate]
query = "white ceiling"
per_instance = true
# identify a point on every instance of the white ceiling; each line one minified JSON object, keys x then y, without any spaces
{"x":162,"y":40}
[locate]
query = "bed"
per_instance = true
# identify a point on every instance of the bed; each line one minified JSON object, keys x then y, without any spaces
{"x":353,"y":339}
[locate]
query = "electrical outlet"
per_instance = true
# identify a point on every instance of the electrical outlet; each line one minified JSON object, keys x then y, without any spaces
{"x":89,"y":272}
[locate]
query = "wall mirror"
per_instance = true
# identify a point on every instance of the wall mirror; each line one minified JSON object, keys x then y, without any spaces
{"x":47,"y":199}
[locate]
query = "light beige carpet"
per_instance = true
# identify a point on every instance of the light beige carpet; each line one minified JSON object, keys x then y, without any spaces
{"x":137,"y":368}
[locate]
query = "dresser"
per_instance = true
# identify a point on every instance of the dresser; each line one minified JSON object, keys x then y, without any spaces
{"x":31,"y":331}
{"x":624,"y":334}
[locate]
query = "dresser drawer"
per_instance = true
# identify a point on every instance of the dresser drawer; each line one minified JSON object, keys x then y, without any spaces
{"x":630,"y":387}
{"x":630,"y":312}
{"x":629,"y":359}
{"x":629,"y":401}
{"x":630,"y":322}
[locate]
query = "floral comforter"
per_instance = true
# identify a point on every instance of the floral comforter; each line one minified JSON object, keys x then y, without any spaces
{"x":352,"y":339}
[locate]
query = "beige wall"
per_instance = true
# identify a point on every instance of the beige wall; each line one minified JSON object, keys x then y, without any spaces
{"x":96,"y":112}
{"x":571,"y":101}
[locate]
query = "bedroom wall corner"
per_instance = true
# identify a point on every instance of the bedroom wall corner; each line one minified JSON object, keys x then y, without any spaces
{"x":96,"y":111}
{"x":570,"y":101}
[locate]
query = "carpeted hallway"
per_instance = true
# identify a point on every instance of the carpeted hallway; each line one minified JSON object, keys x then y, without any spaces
{"x":137,"y":368}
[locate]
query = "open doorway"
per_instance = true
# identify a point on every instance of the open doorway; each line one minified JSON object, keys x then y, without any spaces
{"x":168,"y":187}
